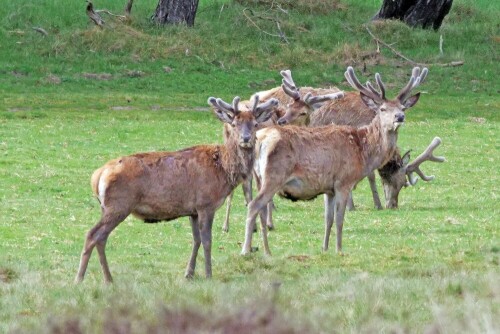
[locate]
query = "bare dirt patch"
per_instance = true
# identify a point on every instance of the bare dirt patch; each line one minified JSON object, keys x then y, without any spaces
{"x":97,"y":76}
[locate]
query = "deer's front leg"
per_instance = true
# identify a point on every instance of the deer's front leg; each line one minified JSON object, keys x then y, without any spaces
{"x":196,"y":245}
{"x":329,"y":217}
{"x":373,"y":187}
{"x":205,"y":219}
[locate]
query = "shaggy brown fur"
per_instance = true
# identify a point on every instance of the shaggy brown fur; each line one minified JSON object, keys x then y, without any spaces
{"x":302,"y":163}
{"x":352,"y":111}
{"x":159,"y":186}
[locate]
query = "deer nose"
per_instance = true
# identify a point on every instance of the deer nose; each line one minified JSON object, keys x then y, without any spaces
{"x":246,"y":138}
{"x":281,"y":121}
{"x":400,"y":117}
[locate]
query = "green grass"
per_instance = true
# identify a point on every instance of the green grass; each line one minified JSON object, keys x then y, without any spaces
{"x":432,"y":265}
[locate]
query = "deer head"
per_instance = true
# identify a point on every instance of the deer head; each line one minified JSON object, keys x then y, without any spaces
{"x":392,"y":112}
{"x":243,"y":123}
{"x":300,"y":107}
{"x":394,"y":181}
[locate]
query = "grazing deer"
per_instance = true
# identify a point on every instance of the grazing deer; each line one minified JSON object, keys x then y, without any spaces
{"x":301,"y":163}
{"x":398,"y":172}
{"x":191,"y":182}
{"x":295,"y":108}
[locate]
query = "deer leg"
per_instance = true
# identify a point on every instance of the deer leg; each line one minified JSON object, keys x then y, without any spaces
{"x":205,"y":220}
{"x":229,"y":199}
{"x":373,"y":187}
{"x":247,"y":192}
{"x":266,"y":212}
{"x":329,"y":217}
{"x":340,"y":205}
{"x":97,"y":237}
{"x":270,"y":209}
{"x":247,"y":189}
{"x":254,"y":207}
{"x":196,"y":245}
{"x":350,"y":202}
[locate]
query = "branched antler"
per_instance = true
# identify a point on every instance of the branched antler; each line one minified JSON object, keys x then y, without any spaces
{"x":227,"y":107}
{"x":257,"y":108}
{"x":416,"y":79}
{"x":414,"y":167}
{"x":291,"y":89}
{"x":312,"y":100}
{"x":289,"y":86}
{"x":367,"y":90}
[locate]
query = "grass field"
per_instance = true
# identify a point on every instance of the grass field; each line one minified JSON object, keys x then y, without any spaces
{"x":80,"y":96}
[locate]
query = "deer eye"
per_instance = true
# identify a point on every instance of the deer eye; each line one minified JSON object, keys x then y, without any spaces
{"x":303,"y":113}
{"x":403,"y":109}
{"x":383,"y":109}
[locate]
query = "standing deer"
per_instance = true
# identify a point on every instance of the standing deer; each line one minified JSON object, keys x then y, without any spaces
{"x":301,"y":163}
{"x":352,"y":111}
{"x":191,"y":182}
{"x":295,"y":107}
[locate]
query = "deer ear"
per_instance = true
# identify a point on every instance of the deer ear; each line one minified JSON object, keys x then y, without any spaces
{"x":406,"y":158}
{"x":223,"y":116}
{"x":411,"y":101}
{"x":369,"y":102}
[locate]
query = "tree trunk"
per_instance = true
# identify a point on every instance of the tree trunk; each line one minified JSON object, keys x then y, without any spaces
{"x":176,"y":11}
{"x":416,"y":13}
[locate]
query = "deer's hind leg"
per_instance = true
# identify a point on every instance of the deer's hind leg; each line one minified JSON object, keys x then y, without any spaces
{"x":97,"y":237}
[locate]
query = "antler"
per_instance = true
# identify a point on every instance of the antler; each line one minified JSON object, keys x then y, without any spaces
{"x":227,"y":107}
{"x":367,"y":90}
{"x":414,"y":167}
{"x":288,"y":85}
{"x":312,"y":100}
{"x":259,"y":108}
{"x":416,"y":79}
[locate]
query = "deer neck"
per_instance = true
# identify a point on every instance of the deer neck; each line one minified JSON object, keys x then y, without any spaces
{"x":379,"y":144}
{"x":236,"y":161}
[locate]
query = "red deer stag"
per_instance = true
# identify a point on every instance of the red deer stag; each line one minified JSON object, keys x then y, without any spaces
{"x":353,"y":112}
{"x":295,"y":107}
{"x":301,"y":163}
{"x":192,"y":182}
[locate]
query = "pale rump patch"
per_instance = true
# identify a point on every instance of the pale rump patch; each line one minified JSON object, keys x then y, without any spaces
{"x":266,"y":142}
{"x":101,"y":186}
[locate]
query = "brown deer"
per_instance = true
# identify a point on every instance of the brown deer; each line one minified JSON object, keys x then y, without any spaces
{"x":352,"y":111}
{"x":295,"y":107}
{"x":398,"y":172}
{"x":301,"y":163}
{"x":191,"y":182}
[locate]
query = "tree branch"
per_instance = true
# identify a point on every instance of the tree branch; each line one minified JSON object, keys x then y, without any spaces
{"x":399,"y":54}
{"x":128,"y":7}
{"x":281,"y":34}
{"x":41,"y":31}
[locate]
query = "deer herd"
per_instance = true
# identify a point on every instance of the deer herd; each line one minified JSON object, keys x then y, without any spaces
{"x":295,"y":142}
